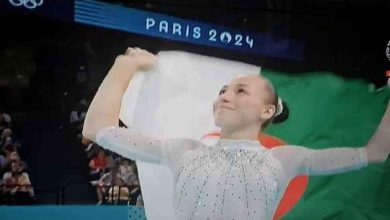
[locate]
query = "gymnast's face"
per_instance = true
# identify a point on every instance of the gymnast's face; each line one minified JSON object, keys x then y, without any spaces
{"x":244,"y":102}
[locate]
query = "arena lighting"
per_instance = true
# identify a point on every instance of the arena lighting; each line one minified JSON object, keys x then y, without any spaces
{"x":30,"y":4}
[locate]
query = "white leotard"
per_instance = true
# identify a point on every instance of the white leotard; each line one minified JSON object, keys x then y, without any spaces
{"x":234,"y":179}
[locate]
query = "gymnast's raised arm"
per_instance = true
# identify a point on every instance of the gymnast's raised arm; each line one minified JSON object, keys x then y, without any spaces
{"x":102,"y":119}
{"x":105,"y":107}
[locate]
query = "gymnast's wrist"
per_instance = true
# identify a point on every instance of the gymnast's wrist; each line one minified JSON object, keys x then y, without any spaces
{"x":120,"y":75}
{"x":375,"y":155}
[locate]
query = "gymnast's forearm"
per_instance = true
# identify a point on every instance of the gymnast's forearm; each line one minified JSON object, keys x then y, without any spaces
{"x":378,"y":146}
{"x":105,"y":106}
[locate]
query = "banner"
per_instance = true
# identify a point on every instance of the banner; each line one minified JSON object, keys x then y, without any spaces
{"x":173,"y":28}
{"x":330,"y":111}
{"x":118,"y":17}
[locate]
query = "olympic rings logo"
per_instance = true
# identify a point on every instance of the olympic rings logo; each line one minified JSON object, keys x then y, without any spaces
{"x":30,"y":4}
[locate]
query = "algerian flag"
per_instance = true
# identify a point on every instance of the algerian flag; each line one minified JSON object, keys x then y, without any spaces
{"x":329,"y":111}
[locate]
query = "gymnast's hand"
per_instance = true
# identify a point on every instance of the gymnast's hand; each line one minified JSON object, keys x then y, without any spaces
{"x":132,"y":61}
{"x":137,"y":57}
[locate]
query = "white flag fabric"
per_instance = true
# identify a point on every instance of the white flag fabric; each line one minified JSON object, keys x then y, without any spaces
{"x":174,"y":100}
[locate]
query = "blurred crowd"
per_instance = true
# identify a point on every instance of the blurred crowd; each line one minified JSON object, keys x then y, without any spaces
{"x":15,"y":185}
{"x":114,"y":177}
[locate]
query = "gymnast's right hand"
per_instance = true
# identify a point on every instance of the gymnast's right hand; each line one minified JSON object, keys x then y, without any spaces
{"x":133,"y":60}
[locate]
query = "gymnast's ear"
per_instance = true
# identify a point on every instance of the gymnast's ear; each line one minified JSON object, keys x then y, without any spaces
{"x":282,"y":116}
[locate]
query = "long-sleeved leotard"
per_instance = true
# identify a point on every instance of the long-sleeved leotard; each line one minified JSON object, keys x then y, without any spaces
{"x":234,"y":179}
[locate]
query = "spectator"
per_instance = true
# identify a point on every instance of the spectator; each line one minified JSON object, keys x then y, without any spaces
{"x":17,"y":186}
{"x":129,"y":176}
{"x":76,"y":119}
{"x":118,"y":193}
{"x":98,"y":164}
{"x":78,"y":114}
{"x":3,"y":162}
{"x":13,"y":155}
{"x":5,"y":117}
{"x":8,"y":149}
{"x":127,"y":173}
{"x":110,"y":159}
{"x":108,"y":181}
{"x":4,"y":122}
{"x":92,"y":149}
{"x":6,"y":137}
{"x":5,"y":158}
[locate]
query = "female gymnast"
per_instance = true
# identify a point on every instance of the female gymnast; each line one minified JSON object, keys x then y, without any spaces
{"x":237,"y":178}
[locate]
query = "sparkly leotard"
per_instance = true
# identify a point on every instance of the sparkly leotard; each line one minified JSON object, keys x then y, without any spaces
{"x":234,"y":179}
